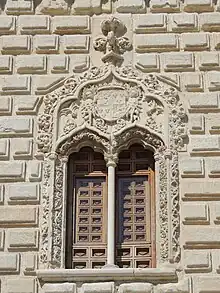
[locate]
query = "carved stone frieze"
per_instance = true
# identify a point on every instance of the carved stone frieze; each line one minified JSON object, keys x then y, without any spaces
{"x":110,"y":108}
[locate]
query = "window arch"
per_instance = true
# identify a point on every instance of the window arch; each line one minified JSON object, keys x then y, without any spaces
{"x":87,"y":209}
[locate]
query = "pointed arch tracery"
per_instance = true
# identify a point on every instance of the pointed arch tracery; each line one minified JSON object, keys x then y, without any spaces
{"x":109,"y":108}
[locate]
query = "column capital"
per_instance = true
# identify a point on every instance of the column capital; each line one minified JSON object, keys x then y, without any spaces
{"x":111,"y":160}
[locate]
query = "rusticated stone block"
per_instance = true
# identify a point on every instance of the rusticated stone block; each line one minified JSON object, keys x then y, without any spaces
{"x":135,"y":288}
{"x":76,"y":44}
{"x":158,"y":43}
{"x":52,"y":7}
{"x":47,"y":84}
{"x":2,"y":240}
{"x":164,"y":5}
{"x":6,"y":63}
{"x":216,"y":216}
{"x":24,"y":106}
{"x":25,"y":239}
{"x":201,"y":237}
{"x":205,"y":144}
{"x":4,"y":149}
{"x":184,"y":286}
{"x":7,"y":25}
{"x":131,"y":6}
{"x":11,"y":126}
{"x":34,"y":170}
{"x":193,"y":82}
{"x":71,"y":25}
{"x":202,"y":102}
{"x":216,"y":37}
{"x":15,"y":84}
{"x":148,"y":62}
{"x":213,"y":167}
{"x":210,"y":21}
{"x":19,"y":7}
{"x":209,"y":61}
{"x":198,"y":5}
{"x":29,"y":263}
{"x":21,"y":284}
{"x":46,"y":44}
{"x":200,"y":190}
{"x":79,"y":63}
{"x":209,"y":284}
{"x":150,"y":23}
{"x":178,"y":61}
{"x":12,"y":171}
{"x":213,"y":79}
{"x":183,"y":22}
{"x":197,"y":124}
{"x":2,"y":194}
{"x":9,"y":263}
{"x":20,"y":45}
{"x":26,"y":193}
{"x":5,"y":106}
{"x":197,"y":261}
{"x":195,"y":41}
{"x":22,"y":216}
{"x":191,"y":167}
{"x":60,"y":288}
{"x":31,"y":64}
{"x":107,"y":287}
{"x":37,"y":24}
{"x":22,"y":148}
{"x":213,"y":123}
{"x":59,"y":63}
{"x":195,"y":214}
{"x":87,"y":7}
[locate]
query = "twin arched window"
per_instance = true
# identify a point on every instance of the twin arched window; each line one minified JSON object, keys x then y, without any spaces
{"x":87,"y":208}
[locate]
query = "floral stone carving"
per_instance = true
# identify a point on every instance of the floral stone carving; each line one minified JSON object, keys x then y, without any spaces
{"x":109,"y":108}
{"x":113,"y":44}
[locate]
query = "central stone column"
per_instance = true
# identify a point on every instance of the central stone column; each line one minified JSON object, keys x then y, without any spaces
{"x":111,"y":164}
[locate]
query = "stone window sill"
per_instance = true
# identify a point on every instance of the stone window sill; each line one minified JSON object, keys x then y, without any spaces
{"x":108,"y":274}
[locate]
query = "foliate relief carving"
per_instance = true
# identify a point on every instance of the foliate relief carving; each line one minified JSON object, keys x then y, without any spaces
{"x":45,"y":213}
{"x":84,"y":136}
{"x":114,"y":43}
{"x":109,"y":108}
{"x":163,"y":210}
{"x":57,"y":215}
{"x":50,"y":101}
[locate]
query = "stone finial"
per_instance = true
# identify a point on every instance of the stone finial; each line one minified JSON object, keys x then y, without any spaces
{"x":113,"y":44}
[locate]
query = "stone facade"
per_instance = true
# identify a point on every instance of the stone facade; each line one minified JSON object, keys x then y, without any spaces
{"x":163,"y":56}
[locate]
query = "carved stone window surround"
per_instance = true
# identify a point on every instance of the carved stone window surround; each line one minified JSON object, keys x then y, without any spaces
{"x":72,"y":116}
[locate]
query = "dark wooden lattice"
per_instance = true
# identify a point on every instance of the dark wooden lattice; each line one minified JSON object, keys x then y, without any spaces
{"x":87,"y":210}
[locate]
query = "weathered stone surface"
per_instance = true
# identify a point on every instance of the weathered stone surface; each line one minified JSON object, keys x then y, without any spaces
{"x":197,"y":261}
{"x":16,"y":126}
{"x":21,"y":285}
{"x":23,"y":193}
{"x":25,"y":239}
{"x":9,"y":263}
{"x":22,"y":216}
{"x":58,"y":288}
{"x":12,"y":171}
